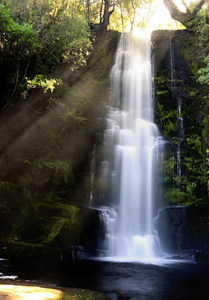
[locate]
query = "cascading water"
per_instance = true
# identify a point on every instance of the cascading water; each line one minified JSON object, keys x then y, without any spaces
{"x":180,"y":130}
{"x":132,"y":140}
{"x":92,"y":175}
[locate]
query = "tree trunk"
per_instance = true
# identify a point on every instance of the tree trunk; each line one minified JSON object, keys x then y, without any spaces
{"x":100,"y":13}
{"x":183,"y":17}
{"x":17,"y":79}
{"x":121,"y":15}
{"x":107,"y":13}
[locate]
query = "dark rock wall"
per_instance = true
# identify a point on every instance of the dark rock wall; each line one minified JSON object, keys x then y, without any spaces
{"x":169,"y":224}
{"x":187,"y":59}
{"x":182,"y":229}
{"x":177,"y":57}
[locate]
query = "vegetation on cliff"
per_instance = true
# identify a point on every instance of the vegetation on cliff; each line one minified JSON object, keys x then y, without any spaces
{"x":46,"y":147}
{"x":188,"y":51}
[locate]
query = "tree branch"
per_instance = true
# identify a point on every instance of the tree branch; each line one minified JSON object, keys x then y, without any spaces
{"x":182,"y":17}
{"x":176,"y":14}
{"x":187,"y":8}
{"x":198,"y":7}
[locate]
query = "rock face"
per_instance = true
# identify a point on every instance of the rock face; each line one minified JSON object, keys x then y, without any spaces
{"x":169,"y":224}
{"x":73,"y":235}
{"x":182,"y":229}
{"x":177,"y":58}
{"x":181,"y":107}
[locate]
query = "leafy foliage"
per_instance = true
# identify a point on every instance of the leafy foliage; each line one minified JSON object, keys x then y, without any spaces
{"x":204,"y":72}
{"x":166,"y":119}
{"x":135,"y":13}
{"x":44,"y":83}
{"x":34,"y":38}
{"x":16,"y":39}
{"x":74,"y":116}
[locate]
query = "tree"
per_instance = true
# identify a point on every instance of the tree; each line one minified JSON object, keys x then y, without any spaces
{"x":133,"y":13}
{"x":18,"y":43}
{"x":139,"y":12}
{"x":91,"y":10}
{"x":185,"y":18}
{"x":62,"y":26}
{"x":106,"y":10}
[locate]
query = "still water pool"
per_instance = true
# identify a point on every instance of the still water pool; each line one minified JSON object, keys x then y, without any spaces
{"x":185,"y":280}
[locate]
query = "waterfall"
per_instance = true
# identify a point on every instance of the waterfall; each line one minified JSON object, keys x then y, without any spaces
{"x":92,"y":175}
{"x":180,"y":130}
{"x":132,"y":144}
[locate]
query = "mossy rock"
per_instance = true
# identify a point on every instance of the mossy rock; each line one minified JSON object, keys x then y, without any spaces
{"x":82,"y":294}
{"x":63,"y":229}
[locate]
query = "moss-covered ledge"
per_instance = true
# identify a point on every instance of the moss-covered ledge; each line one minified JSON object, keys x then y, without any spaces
{"x":20,"y":250}
{"x":58,"y":231}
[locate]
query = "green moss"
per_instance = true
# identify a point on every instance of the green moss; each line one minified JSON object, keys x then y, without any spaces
{"x":163,"y":92}
{"x":55,"y":230}
{"x":185,"y":52}
{"x":82,"y":294}
{"x":166,"y":119}
{"x":194,"y":68}
{"x":193,"y":93}
{"x":161,"y":80}
{"x":103,"y":54}
{"x":19,"y":250}
{"x":175,"y":196}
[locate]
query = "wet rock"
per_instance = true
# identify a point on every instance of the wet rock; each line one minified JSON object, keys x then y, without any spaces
{"x":184,"y":229}
{"x":122,"y":295}
{"x":169,"y":224}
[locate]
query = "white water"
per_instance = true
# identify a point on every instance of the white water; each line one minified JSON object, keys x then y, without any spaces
{"x":92,"y":175}
{"x":131,"y":140}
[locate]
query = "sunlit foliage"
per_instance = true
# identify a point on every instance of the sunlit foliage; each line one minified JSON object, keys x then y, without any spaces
{"x":130,"y":13}
{"x":43,"y":83}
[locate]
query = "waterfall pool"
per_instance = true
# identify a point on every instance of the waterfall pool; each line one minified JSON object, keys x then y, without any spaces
{"x":138,"y":281}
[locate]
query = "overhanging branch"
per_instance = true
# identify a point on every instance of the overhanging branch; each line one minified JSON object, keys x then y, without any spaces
{"x":183,"y":17}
